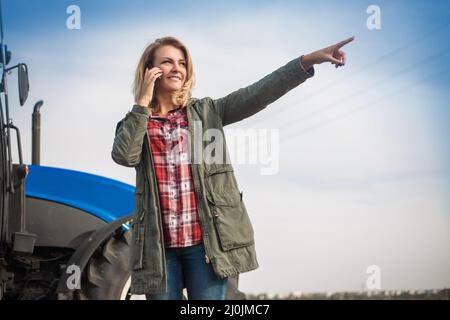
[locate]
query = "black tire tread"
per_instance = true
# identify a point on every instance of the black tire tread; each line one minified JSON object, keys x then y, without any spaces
{"x":107,"y":271}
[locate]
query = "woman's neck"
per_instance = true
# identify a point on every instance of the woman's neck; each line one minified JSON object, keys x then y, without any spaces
{"x":165,"y":104}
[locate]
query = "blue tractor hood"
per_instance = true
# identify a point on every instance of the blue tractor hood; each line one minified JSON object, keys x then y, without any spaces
{"x":102,"y":197}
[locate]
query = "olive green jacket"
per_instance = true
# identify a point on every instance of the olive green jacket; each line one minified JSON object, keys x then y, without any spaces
{"x":226,"y":229}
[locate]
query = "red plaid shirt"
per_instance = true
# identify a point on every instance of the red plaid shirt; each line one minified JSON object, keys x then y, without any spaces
{"x":168,"y":142}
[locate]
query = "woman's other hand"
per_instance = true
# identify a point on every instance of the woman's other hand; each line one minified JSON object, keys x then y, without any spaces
{"x":332,"y":54}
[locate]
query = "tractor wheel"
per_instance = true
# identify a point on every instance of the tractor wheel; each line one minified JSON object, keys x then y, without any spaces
{"x":107,"y":276}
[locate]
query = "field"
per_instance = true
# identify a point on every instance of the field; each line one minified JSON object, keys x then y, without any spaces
{"x":439,"y":294}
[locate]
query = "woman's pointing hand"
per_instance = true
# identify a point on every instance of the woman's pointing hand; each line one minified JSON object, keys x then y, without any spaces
{"x":332,"y":54}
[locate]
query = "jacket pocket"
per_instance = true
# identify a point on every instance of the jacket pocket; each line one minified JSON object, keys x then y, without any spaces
{"x":230,"y":216}
{"x":138,"y":234}
{"x":137,"y":246}
{"x":221,"y":185}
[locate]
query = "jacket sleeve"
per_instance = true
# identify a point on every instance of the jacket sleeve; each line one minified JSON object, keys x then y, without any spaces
{"x":129,"y":138}
{"x":247,"y":101}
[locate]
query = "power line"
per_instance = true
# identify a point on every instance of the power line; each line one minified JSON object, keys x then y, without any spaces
{"x":351,"y":96}
{"x":360,"y":107}
{"x":369,"y":87}
{"x":413,"y":42}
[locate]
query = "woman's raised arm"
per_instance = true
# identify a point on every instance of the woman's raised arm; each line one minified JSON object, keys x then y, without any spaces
{"x":247,"y":101}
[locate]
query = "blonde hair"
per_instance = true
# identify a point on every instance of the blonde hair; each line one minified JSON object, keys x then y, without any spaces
{"x":179,"y":97}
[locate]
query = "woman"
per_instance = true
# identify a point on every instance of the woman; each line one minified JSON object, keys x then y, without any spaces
{"x":191,"y":228}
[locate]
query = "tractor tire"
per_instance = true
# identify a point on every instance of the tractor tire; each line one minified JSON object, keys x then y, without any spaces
{"x":107,"y":275}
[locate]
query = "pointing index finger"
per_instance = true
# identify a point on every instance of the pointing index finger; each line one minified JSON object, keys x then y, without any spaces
{"x":343,"y":43}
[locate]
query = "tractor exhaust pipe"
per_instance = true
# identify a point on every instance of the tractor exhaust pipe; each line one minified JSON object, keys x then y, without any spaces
{"x":36,"y":134}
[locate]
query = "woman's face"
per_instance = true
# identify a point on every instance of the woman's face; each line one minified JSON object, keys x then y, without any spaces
{"x":173,"y":64}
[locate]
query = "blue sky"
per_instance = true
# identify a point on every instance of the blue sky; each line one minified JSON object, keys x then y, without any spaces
{"x":363,"y":161}
{"x":406,"y":20}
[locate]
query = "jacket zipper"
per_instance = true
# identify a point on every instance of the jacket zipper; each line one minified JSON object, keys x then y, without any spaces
{"x":196,"y":187}
{"x":157,"y":198}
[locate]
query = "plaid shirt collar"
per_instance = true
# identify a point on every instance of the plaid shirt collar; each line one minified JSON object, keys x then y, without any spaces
{"x":154,"y":115}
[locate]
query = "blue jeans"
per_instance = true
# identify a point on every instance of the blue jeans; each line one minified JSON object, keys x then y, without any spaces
{"x":186,"y":267}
